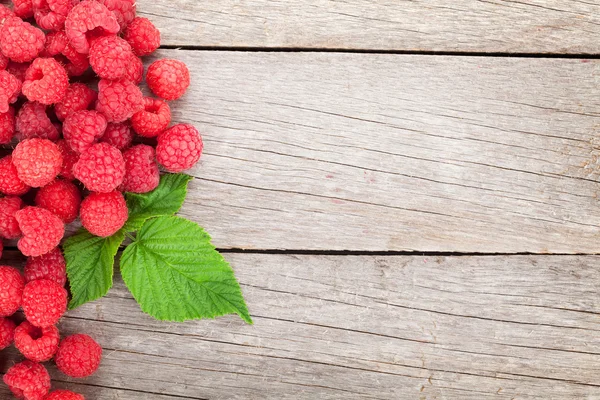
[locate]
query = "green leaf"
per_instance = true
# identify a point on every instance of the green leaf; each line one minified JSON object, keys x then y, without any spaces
{"x":176,"y":274}
{"x":90,"y":261}
{"x":166,"y":199}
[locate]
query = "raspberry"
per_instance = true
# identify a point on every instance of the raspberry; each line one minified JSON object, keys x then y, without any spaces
{"x":46,"y":81}
{"x":23,"y":8}
{"x":62,"y":198}
{"x":118,"y":135}
{"x":119,"y":100}
{"x":9,"y":227}
{"x":11,"y":290}
{"x":20,"y":41}
{"x":7,"y":126}
{"x":64,"y":395}
{"x":18,"y":69}
{"x":38,"y":161}
{"x":103,"y":214}
{"x":101,"y":168}
{"x":51,"y":266}
{"x":154,"y":119}
{"x":109,"y":56}
{"x":143,"y":36}
{"x":168,"y":78}
{"x":135,"y":70}
{"x":57,"y":45}
{"x":44,"y":302}
{"x":83,"y":128}
{"x":3,"y":59}
{"x":28,"y":380}
{"x":87,"y":20}
{"x":69,"y":159}
{"x":124,"y":10}
{"x":142,"y":173}
{"x":42,"y":231}
{"x":51,"y":14}
{"x":79,"y":97}
{"x":33,"y":122}
{"x":5,"y":12}
{"x":10,"y":89}
{"x":78,"y":356}
{"x":36,"y":344}
{"x":7,"y":332}
{"x":179,"y":148}
{"x":10,"y":184}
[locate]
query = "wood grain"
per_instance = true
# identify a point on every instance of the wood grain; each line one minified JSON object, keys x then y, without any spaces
{"x":330,"y":151}
{"x":526,"y":26}
{"x":359,"y":327}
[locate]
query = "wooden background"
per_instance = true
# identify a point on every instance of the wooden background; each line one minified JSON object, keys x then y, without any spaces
{"x":407,"y":191}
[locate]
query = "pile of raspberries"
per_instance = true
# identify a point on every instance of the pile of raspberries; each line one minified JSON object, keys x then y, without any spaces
{"x":81,"y":132}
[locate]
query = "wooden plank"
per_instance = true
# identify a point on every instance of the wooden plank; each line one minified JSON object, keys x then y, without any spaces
{"x":330,"y":151}
{"x":330,"y":327}
{"x":526,"y":26}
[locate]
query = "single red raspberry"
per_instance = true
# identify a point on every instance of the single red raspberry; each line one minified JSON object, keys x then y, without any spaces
{"x":119,"y":100}
{"x":87,"y":20}
{"x":100,"y":168}
{"x":42,"y":231}
{"x":124,"y":10}
{"x":28,"y":380}
{"x":10,"y":184}
{"x":20,"y":41}
{"x":51,"y":266}
{"x":17,"y":69}
{"x":69,"y":159}
{"x":10,"y":89}
{"x":7,"y":126}
{"x":64,"y":395}
{"x":38,"y":161}
{"x":7,"y":332}
{"x":143,"y":36}
{"x":142,"y":173}
{"x":51,"y":14}
{"x":33,"y":122}
{"x":118,"y":135}
{"x":83,"y":128}
{"x":179,"y":148}
{"x":109,"y":56}
{"x":5,"y":13}
{"x":44,"y":302}
{"x":36,"y":344}
{"x":9,"y":227}
{"x":154,"y":119}
{"x":58,"y":46}
{"x":103,"y":214}
{"x":135,"y":70}
{"x":11,"y":290}
{"x":3,"y":59}
{"x":79,"y":97}
{"x":168,"y":78}
{"x":78,"y":356}
{"x":62,"y":198}
{"x":23,"y":8}
{"x":46,"y":81}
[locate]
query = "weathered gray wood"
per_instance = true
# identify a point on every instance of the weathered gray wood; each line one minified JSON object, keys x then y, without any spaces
{"x":519,"y":327}
{"x":329,"y":151}
{"x":530,"y":26}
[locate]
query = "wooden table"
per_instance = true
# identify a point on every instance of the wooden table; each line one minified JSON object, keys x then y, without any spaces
{"x":408,"y":193}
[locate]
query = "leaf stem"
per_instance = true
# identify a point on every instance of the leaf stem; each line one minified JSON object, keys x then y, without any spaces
{"x":130,"y":236}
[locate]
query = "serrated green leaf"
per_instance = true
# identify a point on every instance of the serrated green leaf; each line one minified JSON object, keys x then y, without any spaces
{"x":176,"y":274}
{"x":166,"y":199}
{"x":90,"y":260}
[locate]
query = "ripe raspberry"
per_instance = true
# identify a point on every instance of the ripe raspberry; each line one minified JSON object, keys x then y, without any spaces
{"x":33,"y":122}
{"x":38,"y":161}
{"x":23,"y":8}
{"x":124,"y":10}
{"x":51,"y":14}
{"x":7,"y":126}
{"x":28,"y":380}
{"x":168,"y":78}
{"x":58,"y":46}
{"x":101,"y":168}
{"x":118,"y":135}
{"x":10,"y":184}
{"x":3,"y":59}
{"x":17,"y":69}
{"x":42,"y":231}
{"x":78,"y":356}
{"x":179,"y":148}
{"x":20,"y":41}
{"x":46,"y":81}
{"x":5,"y":13}
{"x":103,"y":214}
{"x":7,"y":332}
{"x":51,"y":266}
{"x":83,"y":128}
{"x":69,"y":159}
{"x":11,"y":290}
{"x":36,"y":344}
{"x":79,"y":97}
{"x":9,"y":227}
{"x":154,"y":119}
{"x":119,"y":100}
{"x":135,"y":70}
{"x":44,"y":302}
{"x":109,"y":56}
{"x":64,"y":395}
{"x":143,"y":36}
{"x":62,"y":198}
{"x":10,"y":89}
{"x":142,"y":173}
{"x":87,"y":20}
